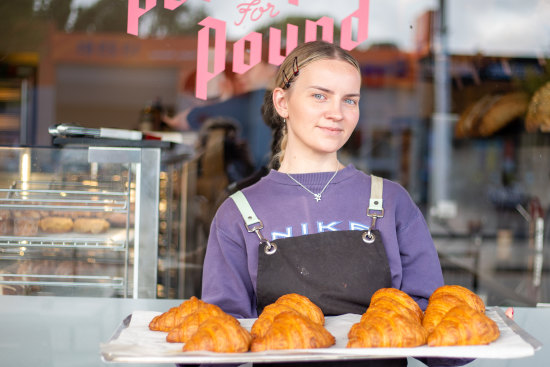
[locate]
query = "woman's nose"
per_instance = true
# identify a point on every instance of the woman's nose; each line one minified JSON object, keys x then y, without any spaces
{"x":334,"y":110}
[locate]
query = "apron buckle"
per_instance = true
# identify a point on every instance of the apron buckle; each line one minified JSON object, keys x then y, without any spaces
{"x":270,"y":248}
{"x":369,"y":237}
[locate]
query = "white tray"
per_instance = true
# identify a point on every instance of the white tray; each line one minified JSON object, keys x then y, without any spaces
{"x":133,"y":342}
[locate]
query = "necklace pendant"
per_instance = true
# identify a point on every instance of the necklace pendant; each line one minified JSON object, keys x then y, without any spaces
{"x":317,"y":197}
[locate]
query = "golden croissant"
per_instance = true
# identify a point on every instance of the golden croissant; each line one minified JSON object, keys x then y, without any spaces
{"x":386,"y":330}
{"x":264,"y":321}
{"x":217,"y":334}
{"x":472,"y":299}
{"x":390,"y":305}
{"x":291,"y":330}
{"x":171,"y":318}
{"x":288,"y":302}
{"x":303,"y":305}
{"x":463,"y":325}
{"x":438,"y":306}
{"x":400,"y":297}
{"x":190,"y":324}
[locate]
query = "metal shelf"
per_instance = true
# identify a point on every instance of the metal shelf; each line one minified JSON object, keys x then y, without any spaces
{"x":88,"y":243}
{"x":63,"y":280}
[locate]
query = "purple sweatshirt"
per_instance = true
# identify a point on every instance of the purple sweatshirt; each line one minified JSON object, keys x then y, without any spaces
{"x":286,"y":210}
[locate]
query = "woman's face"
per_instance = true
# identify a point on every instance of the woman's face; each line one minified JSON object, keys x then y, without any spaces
{"x":321,"y":107}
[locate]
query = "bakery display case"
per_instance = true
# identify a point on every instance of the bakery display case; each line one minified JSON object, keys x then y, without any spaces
{"x":79,"y":221}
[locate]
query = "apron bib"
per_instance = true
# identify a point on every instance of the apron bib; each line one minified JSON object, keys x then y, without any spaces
{"x":338,"y":271}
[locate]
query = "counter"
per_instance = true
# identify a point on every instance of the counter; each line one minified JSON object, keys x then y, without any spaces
{"x":62,"y":331}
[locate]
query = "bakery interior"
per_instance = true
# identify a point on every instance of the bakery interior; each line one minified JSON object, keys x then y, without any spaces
{"x":93,"y":228}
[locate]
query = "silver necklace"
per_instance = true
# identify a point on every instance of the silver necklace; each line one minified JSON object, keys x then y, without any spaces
{"x":318,"y":195}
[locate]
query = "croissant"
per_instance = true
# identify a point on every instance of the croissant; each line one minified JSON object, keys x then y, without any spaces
{"x":390,"y":305}
{"x":438,"y":306}
{"x":264,"y":321}
{"x":218,"y":335}
{"x":400,"y":297}
{"x":303,"y":305}
{"x":190,"y":324}
{"x":382,"y":330}
{"x":467,"y":295}
{"x":290,"y":330}
{"x":171,"y":318}
{"x":463,"y":325}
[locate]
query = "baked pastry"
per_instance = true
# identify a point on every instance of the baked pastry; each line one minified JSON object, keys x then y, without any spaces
{"x":446,"y":297}
{"x":291,"y":330}
{"x":490,"y":113}
{"x":469,"y":121}
{"x":217,"y":334}
{"x":6,"y":223}
{"x":190,"y":324}
{"x":504,"y":109}
{"x":119,"y":219}
{"x":91,"y":225}
{"x":386,"y":330}
{"x":438,"y":306}
{"x":390,"y":305}
{"x":538,"y":110}
{"x":264,"y":321}
{"x":393,"y":320}
{"x":463,"y":325}
{"x":303,"y":305}
{"x":56,"y":224}
{"x":287,"y":302}
{"x":399,"y":296}
{"x":472,"y":299}
{"x":25,"y":222}
{"x":174,"y":316}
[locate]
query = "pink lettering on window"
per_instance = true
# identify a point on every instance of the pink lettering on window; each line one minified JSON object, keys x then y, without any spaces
{"x":256,"y":10}
{"x":135,"y":12}
{"x":362,"y":15}
{"x":327,"y":26}
{"x":239,"y":50}
{"x":275,"y":57}
{"x":254,"y":41}
{"x":203,"y":60}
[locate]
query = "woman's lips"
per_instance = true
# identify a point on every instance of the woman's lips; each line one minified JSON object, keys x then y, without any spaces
{"x":331,"y":130}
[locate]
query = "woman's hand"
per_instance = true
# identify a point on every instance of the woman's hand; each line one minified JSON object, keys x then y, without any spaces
{"x":509,"y":312}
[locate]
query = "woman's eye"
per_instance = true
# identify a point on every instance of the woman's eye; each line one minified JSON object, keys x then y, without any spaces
{"x":350,"y":101}
{"x":318,"y":96}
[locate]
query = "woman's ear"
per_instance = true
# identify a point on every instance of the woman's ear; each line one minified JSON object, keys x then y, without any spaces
{"x":280,"y":102}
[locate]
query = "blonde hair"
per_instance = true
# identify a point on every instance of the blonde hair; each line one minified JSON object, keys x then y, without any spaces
{"x":298,"y":59}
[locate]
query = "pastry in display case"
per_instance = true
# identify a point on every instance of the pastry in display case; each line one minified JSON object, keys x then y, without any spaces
{"x":67,"y":223}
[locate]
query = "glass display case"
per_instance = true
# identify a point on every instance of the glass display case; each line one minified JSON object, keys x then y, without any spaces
{"x":79,"y":221}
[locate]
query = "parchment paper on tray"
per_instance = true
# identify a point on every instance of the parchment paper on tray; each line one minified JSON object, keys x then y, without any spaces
{"x":133,"y":342}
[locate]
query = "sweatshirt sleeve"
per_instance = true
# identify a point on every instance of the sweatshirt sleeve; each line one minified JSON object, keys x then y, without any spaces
{"x":419,"y":259}
{"x":226,"y":281}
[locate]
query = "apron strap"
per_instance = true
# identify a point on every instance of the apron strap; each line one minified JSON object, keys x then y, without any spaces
{"x":377,"y":186}
{"x":252,"y":223}
{"x":376,"y":209}
{"x":246,"y":210}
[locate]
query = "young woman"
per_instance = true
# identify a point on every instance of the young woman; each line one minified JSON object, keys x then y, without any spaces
{"x":315,"y":226}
